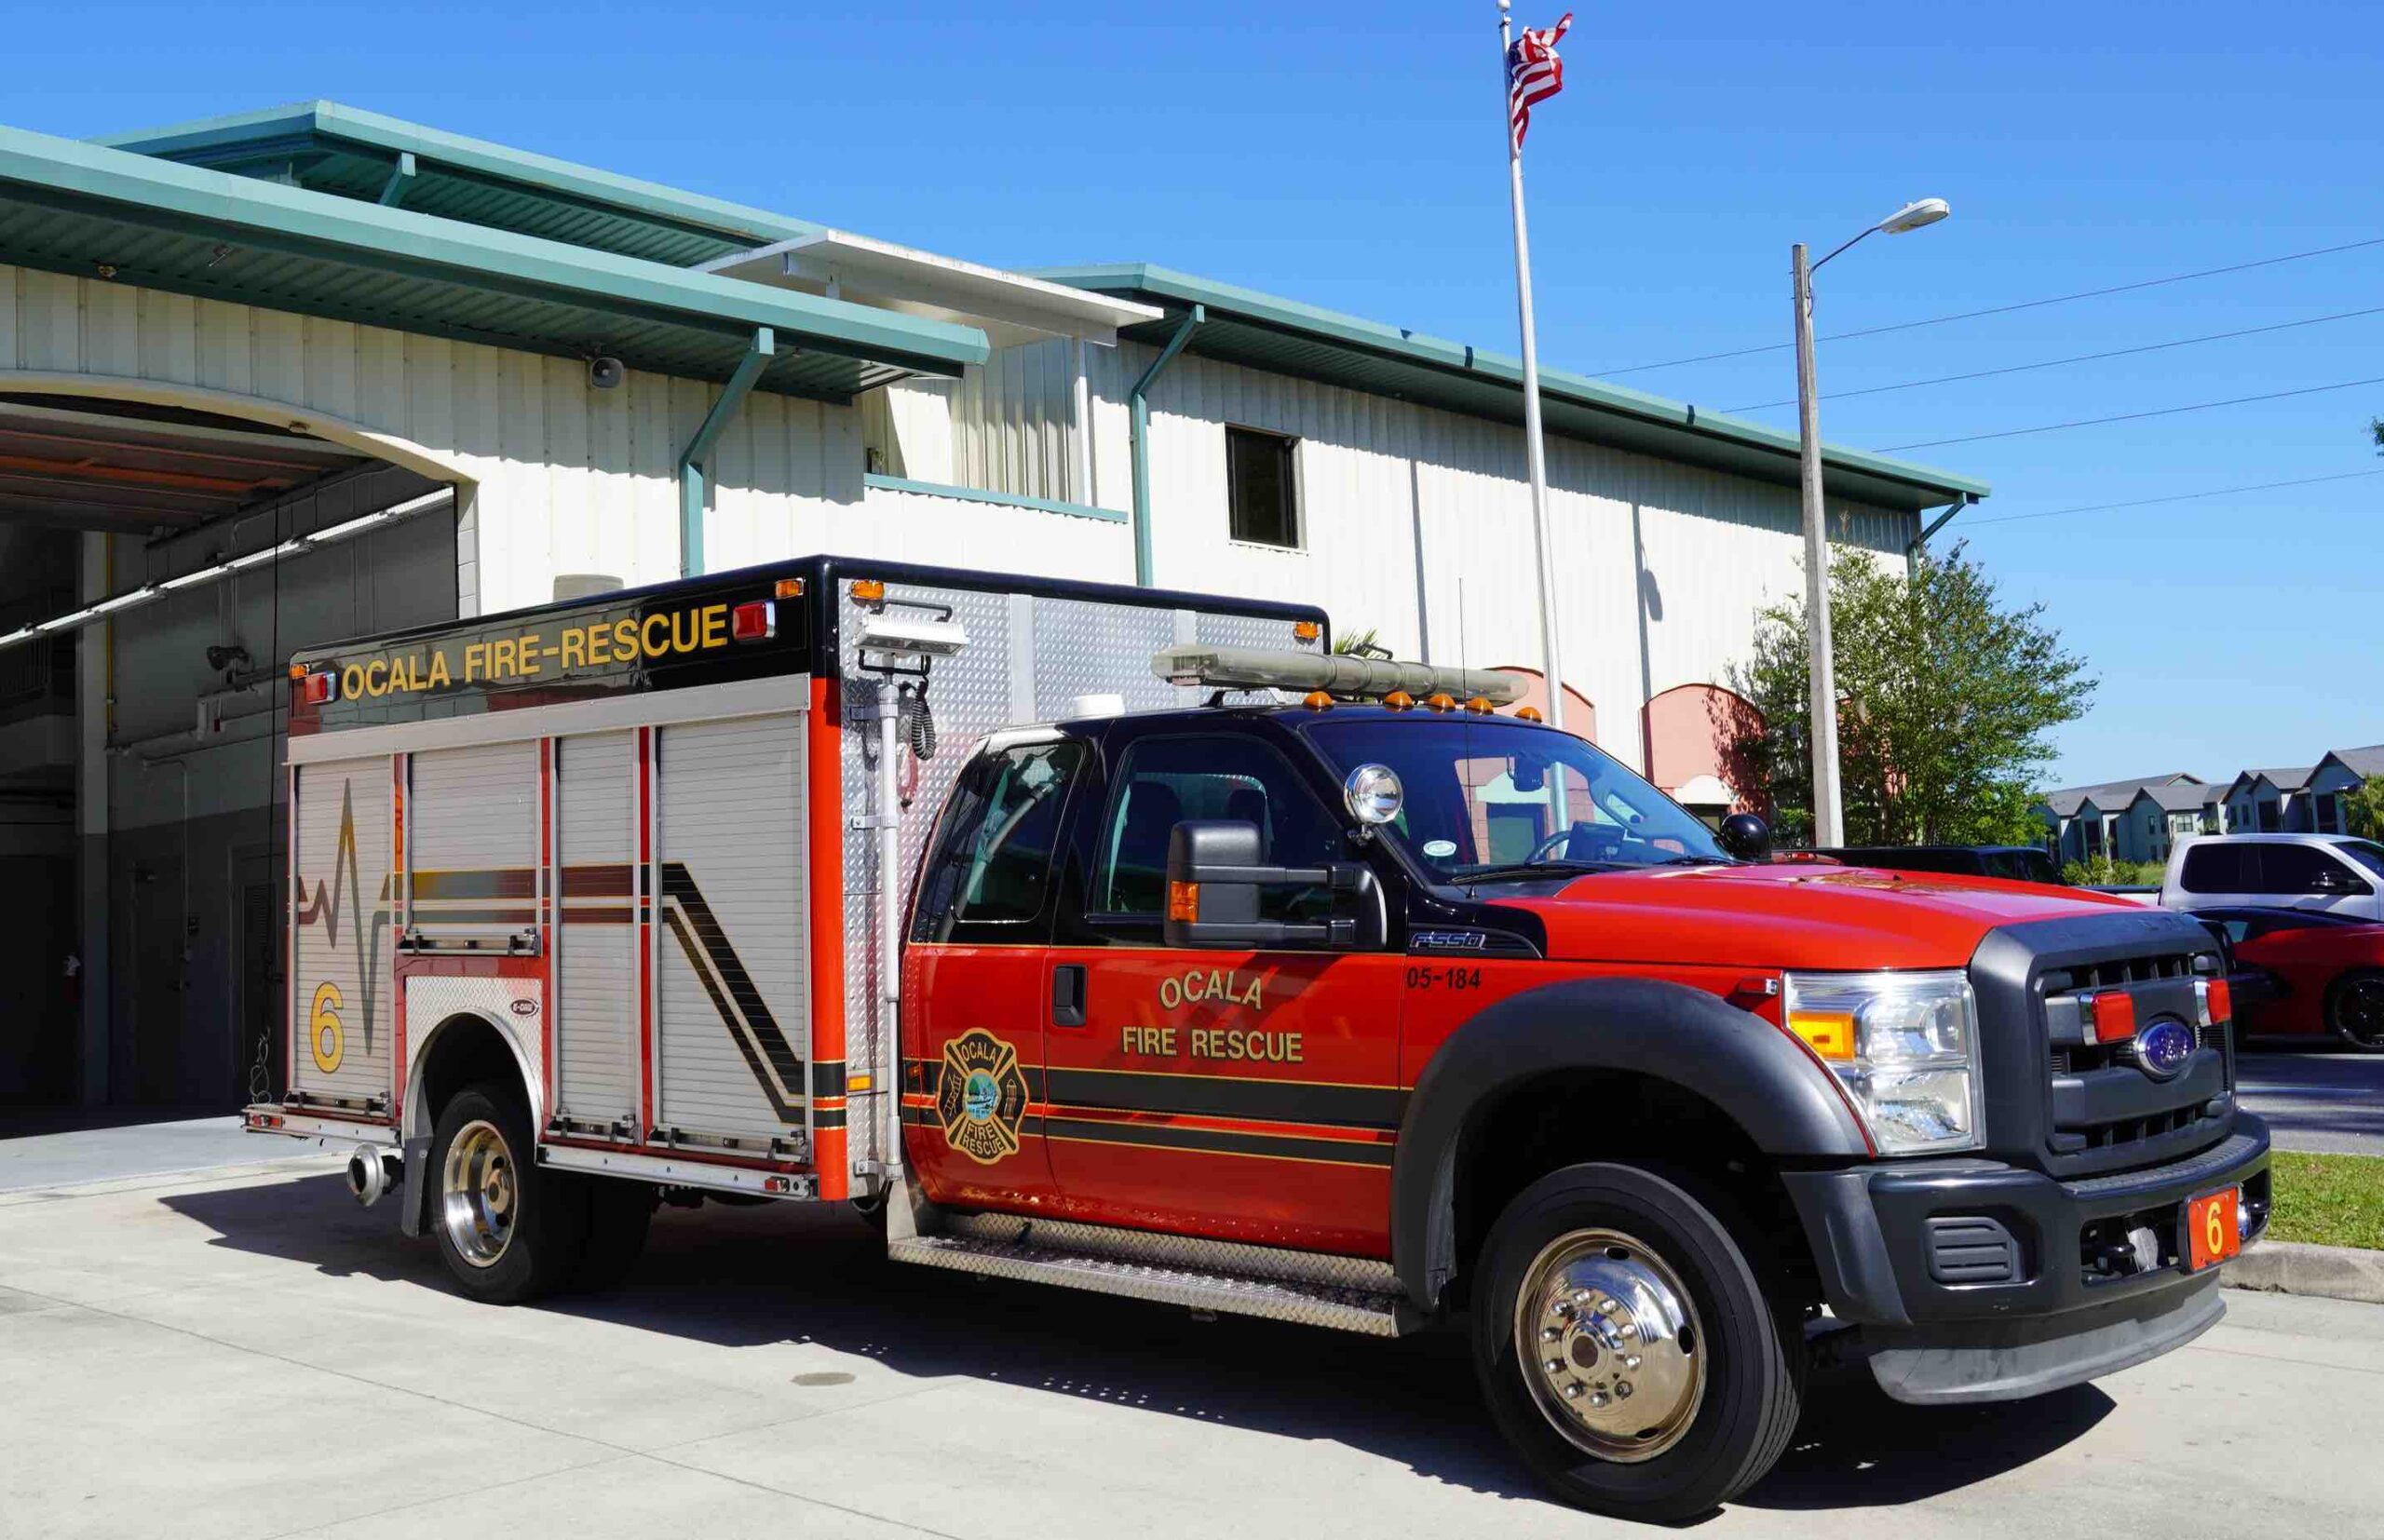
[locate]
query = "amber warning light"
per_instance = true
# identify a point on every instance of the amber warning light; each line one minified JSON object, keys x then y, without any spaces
{"x":1184,"y":902}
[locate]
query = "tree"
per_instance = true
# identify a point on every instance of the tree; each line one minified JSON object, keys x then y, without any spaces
{"x":2364,"y":808}
{"x":1946,"y":698}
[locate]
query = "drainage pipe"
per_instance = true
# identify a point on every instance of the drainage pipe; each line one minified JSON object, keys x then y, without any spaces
{"x":694,"y":465}
{"x":1139,"y":415}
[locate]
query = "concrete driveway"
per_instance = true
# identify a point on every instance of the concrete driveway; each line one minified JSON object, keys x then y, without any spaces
{"x":2314,"y":1100}
{"x":248,"y":1354}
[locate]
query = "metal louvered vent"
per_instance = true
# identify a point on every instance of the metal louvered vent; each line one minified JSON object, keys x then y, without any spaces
{"x":1971,"y":1250}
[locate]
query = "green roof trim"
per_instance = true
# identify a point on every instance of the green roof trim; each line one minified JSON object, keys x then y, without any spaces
{"x":74,"y":208}
{"x":328,"y":147}
{"x":1268,"y":332}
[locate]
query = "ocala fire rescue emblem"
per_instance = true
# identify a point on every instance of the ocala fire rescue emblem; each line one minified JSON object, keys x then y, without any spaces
{"x":982,"y":1098}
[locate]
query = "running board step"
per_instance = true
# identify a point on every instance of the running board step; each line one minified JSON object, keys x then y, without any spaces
{"x":1309,"y":1302}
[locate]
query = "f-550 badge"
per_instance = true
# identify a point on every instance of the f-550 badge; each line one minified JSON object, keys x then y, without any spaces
{"x":982,"y":1098}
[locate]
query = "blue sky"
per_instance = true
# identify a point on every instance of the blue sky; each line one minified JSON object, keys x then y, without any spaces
{"x":1352,"y":158}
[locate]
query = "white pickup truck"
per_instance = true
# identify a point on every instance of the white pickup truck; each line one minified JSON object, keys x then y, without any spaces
{"x":2337,"y":873}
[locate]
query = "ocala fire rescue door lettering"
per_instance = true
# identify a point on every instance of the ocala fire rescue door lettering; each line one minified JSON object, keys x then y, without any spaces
{"x":980,"y":1098}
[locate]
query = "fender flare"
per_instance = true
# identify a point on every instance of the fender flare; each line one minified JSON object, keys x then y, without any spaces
{"x":417,"y":1115}
{"x":1754,"y":1071}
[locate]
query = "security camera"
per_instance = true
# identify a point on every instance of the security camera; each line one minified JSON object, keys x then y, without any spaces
{"x":606,"y":372}
{"x":222,"y":657}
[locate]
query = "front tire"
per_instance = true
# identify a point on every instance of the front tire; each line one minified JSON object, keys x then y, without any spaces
{"x":1626,"y":1346}
{"x":508,"y":1230}
{"x":2355,"y":1010}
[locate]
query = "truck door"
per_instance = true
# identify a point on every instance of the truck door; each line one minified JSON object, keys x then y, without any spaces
{"x":1247,"y":1095}
{"x":973,"y":977}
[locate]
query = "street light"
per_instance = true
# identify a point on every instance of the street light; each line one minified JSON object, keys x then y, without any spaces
{"x":1829,"y":808}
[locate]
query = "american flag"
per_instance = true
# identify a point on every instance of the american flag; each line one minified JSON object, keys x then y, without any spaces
{"x":1534,"y":74}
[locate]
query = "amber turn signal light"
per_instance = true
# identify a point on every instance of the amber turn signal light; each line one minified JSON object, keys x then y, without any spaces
{"x":1318,"y":700}
{"x":1439,"y":701}
{"x":1399,"y":700}
{"x":1529,"y":714}
{"x":867,"y":590}
{"x":1830,"y":1034}
{"x":1184,"y":902}
{"x":1479,"y":706}
{"x":1306,"y":631}
{"x":787,"y":588}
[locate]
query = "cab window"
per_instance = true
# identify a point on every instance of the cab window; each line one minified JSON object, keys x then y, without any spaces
{"x":992,"y":863}
{"x":1164,"y":781}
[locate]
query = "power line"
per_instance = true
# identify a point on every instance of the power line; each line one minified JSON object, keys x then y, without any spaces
{"x":2005,"y":309}
{"x":2177,"y":498}
{"x":2130,"y":416}
{"x":2076,"y":359}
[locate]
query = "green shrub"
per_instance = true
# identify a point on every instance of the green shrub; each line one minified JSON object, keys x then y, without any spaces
{"x":2105,"y":872}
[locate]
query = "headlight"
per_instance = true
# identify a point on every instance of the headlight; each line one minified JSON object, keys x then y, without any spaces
{"x":1905,"y":1046}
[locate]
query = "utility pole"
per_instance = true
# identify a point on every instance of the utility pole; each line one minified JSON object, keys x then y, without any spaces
{"x":1829,"y":805}
{"x":1829,"y":808}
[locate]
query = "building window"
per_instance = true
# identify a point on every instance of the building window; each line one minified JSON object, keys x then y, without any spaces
{"x":1262,"y":499}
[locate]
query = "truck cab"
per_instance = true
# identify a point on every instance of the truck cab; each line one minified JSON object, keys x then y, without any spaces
{"x":1456,"y":995}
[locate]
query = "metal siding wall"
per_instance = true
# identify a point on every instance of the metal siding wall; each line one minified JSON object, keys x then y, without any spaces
{"x":569,"y":478}
{"x":732,"y":812}
{"x":350,"y":943}
{"x":474,"y":810}
{"x":1662,"y":566}
{"x":596,"y":1020}
{"x":952,"y":532}
{"x":1009,"y":421}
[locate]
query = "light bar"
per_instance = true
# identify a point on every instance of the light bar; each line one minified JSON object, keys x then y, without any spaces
{"x":444,"y":497}
{"x":1351,"y":677}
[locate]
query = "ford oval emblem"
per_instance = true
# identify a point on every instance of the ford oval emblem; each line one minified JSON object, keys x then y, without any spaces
{"x":530,"y":1007}
{"x":2163,"y":1048}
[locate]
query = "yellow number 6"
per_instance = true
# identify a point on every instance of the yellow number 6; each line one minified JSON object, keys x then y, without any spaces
{"x":2213,"y":1229}
{"x":324,"y":1034}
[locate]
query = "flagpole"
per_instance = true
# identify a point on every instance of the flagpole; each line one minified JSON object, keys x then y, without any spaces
{"x":1535,"y":451}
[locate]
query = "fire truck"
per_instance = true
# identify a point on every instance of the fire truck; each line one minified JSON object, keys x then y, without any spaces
{"x":1132,"y":940}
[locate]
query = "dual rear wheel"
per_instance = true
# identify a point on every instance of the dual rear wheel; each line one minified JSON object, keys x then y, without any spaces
{"x":510,"y":1230}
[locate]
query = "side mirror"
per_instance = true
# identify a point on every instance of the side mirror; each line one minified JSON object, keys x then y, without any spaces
{"x":1215,"y":882}
{"x":1746,"y":836}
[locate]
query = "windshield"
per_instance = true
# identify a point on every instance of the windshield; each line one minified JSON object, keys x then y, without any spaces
{"x":1483,"y":797}
{"x":2366,"y":853}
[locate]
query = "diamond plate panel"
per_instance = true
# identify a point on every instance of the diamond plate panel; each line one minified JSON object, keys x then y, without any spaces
{"x":1179,"y":1253}
{"x":431,"y":1001}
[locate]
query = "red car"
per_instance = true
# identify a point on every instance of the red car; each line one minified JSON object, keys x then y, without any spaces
{"x":2302,"y":973}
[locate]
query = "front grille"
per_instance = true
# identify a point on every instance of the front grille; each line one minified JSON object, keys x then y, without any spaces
{"x":2106,"y":1113}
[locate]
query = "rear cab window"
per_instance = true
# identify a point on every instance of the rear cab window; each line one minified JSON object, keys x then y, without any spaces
{"x":992,"y":861}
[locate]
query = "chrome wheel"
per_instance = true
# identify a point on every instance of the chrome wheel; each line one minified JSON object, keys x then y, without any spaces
{"x":480,"y":1192}
{"x":1608,"y":1342}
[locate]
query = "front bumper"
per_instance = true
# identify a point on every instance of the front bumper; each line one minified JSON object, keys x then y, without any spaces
{"x":2059,"y":1298}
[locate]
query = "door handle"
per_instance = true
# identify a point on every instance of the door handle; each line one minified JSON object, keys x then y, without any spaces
{"x":1067,"y":995}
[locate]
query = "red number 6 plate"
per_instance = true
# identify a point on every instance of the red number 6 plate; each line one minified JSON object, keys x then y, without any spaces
{"x":2213,"y":1229}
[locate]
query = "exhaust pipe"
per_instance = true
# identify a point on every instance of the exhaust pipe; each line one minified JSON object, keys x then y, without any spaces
{"x":373,"y":1172}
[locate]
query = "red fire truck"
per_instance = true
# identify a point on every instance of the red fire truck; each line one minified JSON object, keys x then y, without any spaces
{"x":1132,"y":940}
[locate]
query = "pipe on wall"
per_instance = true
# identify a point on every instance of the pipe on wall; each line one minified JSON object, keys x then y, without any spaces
{"x":1139,"y":417}
{"x":694,"y":465}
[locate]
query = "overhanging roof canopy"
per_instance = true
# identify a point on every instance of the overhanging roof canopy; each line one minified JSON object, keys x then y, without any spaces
{"x":1289,"y":338}
{"x":1010,"y":307}
{"x":92,"y":211}
{"x":327,"y":148}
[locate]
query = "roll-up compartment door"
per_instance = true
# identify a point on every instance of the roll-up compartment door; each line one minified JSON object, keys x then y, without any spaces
{"x":343,"y":942}
{"x":733,"y":1029}
{"x":473,"y":870}
{"x":595,"y":1009}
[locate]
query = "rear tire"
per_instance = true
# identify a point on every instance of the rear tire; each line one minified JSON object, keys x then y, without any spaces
{"x":1626,"y":1346}
{"x":508,"y":1230}
{"x":618,"y":1215}
{"x":2355,"y":1010}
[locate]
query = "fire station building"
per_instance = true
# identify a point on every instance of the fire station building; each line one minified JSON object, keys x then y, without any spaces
{"x":278,"y":379}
